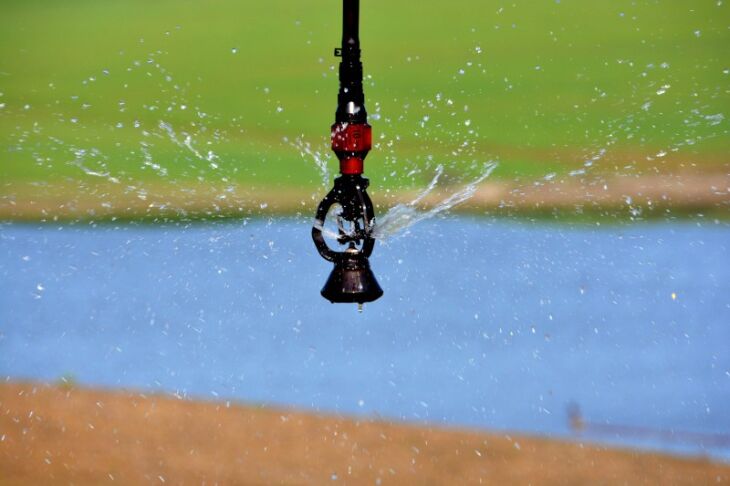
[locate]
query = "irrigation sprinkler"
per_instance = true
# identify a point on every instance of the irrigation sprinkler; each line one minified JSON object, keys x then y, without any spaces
{"x":351,"y":280}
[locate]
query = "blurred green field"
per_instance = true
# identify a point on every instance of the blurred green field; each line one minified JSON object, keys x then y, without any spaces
{"x":541,"y":86}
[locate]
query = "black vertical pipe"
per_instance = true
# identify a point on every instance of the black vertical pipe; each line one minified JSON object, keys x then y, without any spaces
{"x":351,"y":99}
{"x":350,"y":23}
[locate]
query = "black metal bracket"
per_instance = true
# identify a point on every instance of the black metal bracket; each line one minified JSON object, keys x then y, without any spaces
{"x":350,"y":192}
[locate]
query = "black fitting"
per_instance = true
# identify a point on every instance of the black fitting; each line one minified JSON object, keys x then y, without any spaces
{"x":350,"y":193}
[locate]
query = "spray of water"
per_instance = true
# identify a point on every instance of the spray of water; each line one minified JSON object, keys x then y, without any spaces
{"x":320,"y":159}
{"x":332,"y":215}
{"x":80,"y":158}
{"x":402,"y":216}
{"x":187,"y":143}
{"x":193,"y":144}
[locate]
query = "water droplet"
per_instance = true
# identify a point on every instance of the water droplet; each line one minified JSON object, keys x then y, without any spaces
{"x":715,"y":119}
{"x":663,"y":89}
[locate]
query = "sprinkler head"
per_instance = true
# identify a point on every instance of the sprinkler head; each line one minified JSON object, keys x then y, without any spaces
{"x":351,"y":281}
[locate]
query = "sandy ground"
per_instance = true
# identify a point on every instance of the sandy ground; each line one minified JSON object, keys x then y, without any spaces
{"x":51,"y":434}
{"x":653,"y":195}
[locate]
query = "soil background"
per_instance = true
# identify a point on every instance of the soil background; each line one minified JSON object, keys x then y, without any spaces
{"x":69,"y":435}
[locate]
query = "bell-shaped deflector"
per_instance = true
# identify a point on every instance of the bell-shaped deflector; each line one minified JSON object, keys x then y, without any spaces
{"x":352,"y":281}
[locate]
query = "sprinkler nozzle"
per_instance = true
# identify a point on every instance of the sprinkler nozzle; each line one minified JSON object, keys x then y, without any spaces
{"x":351,"y":280}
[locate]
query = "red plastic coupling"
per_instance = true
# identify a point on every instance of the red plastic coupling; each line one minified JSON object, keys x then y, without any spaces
{"x":352,"y":166}
{"x":351,"y":137}
{"x":351,"y":142}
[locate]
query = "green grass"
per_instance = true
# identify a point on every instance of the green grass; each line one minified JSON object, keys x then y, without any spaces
{"x":554,"y":81}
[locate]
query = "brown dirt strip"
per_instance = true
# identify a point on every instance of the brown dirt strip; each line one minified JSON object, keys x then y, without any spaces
{"x":690,"y":191}
{"x":51,"y":435}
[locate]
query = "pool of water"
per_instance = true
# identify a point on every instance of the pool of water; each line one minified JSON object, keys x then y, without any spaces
{"x":491,"y":324}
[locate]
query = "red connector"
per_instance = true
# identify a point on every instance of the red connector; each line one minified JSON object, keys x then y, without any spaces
{"x":351,"y":137}
{"x":351,"y":142}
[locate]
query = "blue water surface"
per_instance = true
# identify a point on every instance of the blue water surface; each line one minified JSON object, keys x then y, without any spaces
{"x":493,"y":324}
